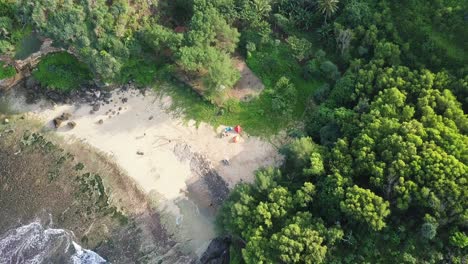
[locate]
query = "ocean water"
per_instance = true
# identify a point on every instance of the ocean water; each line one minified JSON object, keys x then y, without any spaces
{"x":36,"y":244}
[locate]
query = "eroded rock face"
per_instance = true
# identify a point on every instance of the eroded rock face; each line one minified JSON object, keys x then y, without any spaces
{"x":9,"y":82}
{"x":217,"y":252}
{"x":24,"y":67}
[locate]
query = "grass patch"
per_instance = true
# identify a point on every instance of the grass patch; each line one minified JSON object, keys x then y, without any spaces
{"x":139,"y":71}
{"x":273,"y":62}
{"x":251,"y":115}
{"x":61,"y":71}
{"x":255,"y":116}
{"x":6,"y":71}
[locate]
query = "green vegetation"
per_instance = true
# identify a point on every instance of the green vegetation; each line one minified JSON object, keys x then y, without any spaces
{"x":375,"y":92}
{"x":28,"y":44}
{"x":6,"y":71}
{"x":7,"y":26}
{"x":61,"y":71}
{"x":140,"y":71}
{"x":388,"y":181}
{"x":394,"y":181}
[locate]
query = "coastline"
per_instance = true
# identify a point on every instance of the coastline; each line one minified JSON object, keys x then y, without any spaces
{"x":176,"y":164}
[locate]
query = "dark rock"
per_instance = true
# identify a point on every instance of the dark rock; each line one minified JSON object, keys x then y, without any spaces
{"x":150,"y":118}
{"x":124,"y":100}
{"x":59,"y":120}
{"x":31,"y":83}
{"x":217,"y":252}
{"x":120,"y":108}
{"x":96,"y":107}
{"x":100,"y":121}
{"x":66,"y":116}
{"x":71,"y":124}
{"x":140,"y":153}
{"x":54,"y":96}
{"x":32,"y":97}
{"x":91,"y":112}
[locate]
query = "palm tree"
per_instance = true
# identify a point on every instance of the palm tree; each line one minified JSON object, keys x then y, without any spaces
{"x":327,"y":7}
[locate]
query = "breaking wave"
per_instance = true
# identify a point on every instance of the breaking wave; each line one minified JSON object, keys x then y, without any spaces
{"x":34,"y":244}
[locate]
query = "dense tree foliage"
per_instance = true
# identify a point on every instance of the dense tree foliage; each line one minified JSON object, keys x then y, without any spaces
{"x":378,"y":173}
{"x":400,"y":175}
{"x":389,"y":182}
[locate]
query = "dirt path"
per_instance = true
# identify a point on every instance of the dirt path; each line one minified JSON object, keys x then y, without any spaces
{"x":177,"y":164}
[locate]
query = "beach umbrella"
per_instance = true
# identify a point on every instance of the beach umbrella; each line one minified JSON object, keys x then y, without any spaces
{"x":238,"y":129}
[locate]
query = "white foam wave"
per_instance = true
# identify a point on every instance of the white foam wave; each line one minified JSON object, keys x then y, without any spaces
{"x":34,"y":244}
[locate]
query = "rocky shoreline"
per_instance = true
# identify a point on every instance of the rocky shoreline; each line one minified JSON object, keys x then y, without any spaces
{"x":209,"y":191}
{"x":200,"y":195}
{"x":149,"y":238}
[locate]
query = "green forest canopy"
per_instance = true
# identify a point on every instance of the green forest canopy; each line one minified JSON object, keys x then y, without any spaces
{"x":377,"y":172}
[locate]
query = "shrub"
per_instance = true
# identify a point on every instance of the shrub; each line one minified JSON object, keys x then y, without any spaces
{"x":6,"y":71}
{"x":329,"y":70}
{"x":61,"y":71}
{"x":283,"y":96}
{"x":5,"y":46}
{"x":429,"y":230}
{"x":459,"y":239}
{"x":322,"y":93}
{"x":142,"y":72}
{"x":301,"y":48}
{"x":389,"y":52}
{"x":232,"y":106}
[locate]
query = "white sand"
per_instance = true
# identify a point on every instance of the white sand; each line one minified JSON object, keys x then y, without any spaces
{"x":159,"y":169}
{"x":159,"y":172}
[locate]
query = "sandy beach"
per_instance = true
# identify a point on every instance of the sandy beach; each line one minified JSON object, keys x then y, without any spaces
{"x":145,"y":140}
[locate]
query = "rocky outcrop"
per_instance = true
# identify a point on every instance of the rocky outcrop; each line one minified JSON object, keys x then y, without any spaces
{"x":24,"y":67}
{"x":60,"y":119}
{"x":71,"y":124}
{"x":217,"y":252}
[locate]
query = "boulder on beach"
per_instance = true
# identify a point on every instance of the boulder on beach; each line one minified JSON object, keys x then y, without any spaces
{"x":57,"y":122}
{"x":66,"y":116}
{"x":96,"y":107}
{"x":71,"y":124}
{"x":100,"y":122}
{"x":31,"y":83}
{"x":60,"y":119}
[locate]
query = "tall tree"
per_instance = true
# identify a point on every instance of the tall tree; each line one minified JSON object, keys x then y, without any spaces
{"x":327,"y":7}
